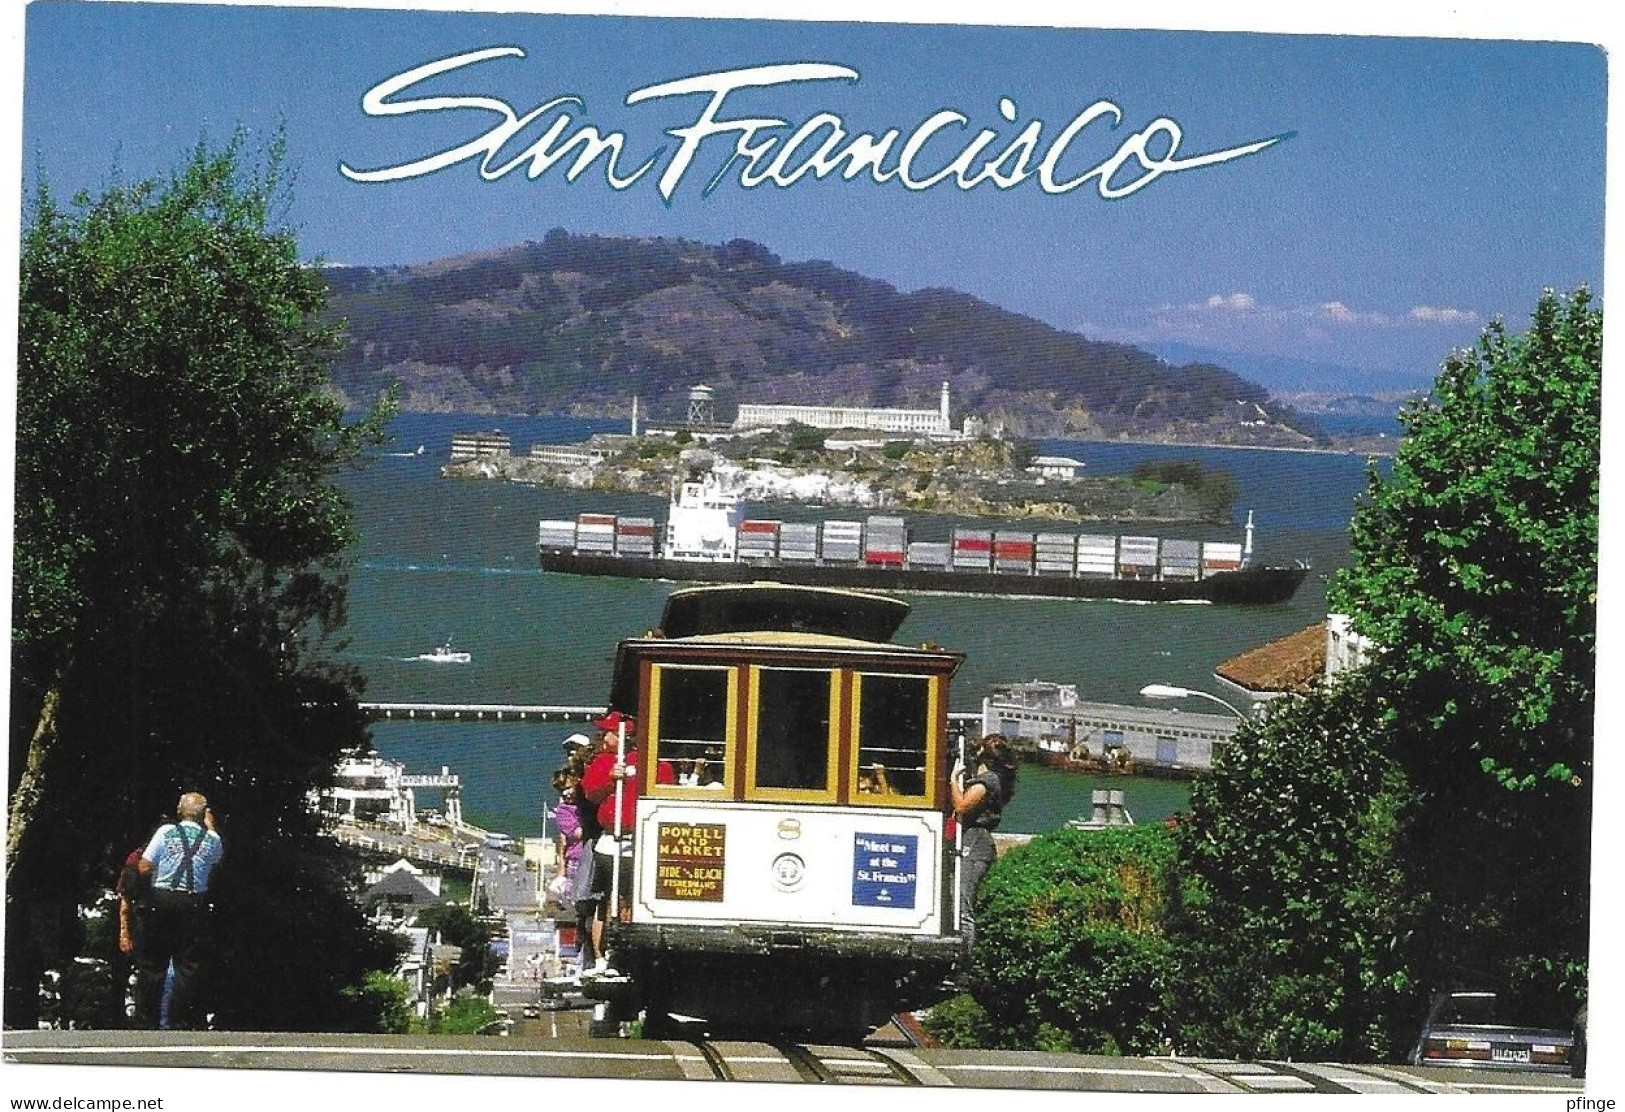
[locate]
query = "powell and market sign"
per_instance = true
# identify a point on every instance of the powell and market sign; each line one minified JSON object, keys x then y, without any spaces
{"x":767,"y":150}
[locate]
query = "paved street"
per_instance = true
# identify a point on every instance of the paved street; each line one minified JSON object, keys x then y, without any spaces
{"x":569,"y":1055}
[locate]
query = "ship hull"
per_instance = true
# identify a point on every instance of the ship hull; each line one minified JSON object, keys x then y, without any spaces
{"x":1248,"y":586}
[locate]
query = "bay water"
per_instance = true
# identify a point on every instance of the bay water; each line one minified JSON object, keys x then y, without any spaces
{"x":452,"y":559}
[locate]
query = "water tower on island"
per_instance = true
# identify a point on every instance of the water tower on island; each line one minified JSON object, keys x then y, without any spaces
{"x":701,"y":410}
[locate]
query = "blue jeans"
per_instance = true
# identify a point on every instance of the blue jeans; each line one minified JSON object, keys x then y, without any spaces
{"x":975,"y":855}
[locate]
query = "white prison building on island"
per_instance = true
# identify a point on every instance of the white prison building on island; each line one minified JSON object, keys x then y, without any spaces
{"x":930,"y":421}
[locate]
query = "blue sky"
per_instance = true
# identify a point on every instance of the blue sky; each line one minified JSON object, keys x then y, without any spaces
{"x":1427,"y":186}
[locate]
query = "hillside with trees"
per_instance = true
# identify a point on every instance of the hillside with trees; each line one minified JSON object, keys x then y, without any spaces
{"x":579,"y":324}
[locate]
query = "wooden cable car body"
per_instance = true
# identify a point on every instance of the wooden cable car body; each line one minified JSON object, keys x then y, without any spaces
{"x":786,"y":884}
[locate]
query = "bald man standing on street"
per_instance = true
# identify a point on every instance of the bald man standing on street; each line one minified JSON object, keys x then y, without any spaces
{"x":180,"y":858}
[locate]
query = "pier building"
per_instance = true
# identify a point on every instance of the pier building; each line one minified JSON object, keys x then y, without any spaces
{"x":1050,"y":721}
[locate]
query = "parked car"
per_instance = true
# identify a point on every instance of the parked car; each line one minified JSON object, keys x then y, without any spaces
{"x":1471,"y":1029}
{"x":1577,"y":1060}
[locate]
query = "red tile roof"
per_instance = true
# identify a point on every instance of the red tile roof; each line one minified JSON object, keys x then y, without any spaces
{"x":1289,"y":664}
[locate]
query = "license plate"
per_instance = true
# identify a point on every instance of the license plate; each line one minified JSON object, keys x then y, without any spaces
{"x":1510,"y":1053}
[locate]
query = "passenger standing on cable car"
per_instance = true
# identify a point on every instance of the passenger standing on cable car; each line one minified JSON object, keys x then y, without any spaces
{"x":979,"y":803}
{"x":598,"y":782}
{"x":587,"y":889}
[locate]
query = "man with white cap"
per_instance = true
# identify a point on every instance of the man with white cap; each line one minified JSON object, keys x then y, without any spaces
{"x":587,"y":886}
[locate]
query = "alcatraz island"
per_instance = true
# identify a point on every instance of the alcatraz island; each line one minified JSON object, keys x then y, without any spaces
{"x":975,"y":471}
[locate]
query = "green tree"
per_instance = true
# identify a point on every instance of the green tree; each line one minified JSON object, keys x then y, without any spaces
{"x":1475,"y":570}
{"x":179,"y":577}
{"x":1214,"y":488}
{"x":382,"y":999}
{"x":1022,"y":453}
{"x":804,"y":438}
{"x":1070,"y":948}
{"x":467,"y":1014}
{"x":458,"y":927}
{"x":1294,"y":923}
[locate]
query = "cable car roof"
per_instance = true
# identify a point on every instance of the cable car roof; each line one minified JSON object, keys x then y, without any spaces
{"x":833,"y":612}
{"x":773,"y":619}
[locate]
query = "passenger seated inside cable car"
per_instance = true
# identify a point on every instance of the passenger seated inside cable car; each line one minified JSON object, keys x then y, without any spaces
{"x":700,"y":774}
{"x":874,"y":781}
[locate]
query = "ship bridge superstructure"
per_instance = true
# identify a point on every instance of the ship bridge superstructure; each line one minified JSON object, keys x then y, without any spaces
{"x":704,"y":520}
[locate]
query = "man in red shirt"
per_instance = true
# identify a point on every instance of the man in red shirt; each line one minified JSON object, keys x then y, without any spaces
{"x":598,"y":782}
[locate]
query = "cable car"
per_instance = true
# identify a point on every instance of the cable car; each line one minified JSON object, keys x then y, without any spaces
{"x":793,"y":875}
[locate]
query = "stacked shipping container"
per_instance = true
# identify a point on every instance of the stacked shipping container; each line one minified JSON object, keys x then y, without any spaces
{"x":1179,"y":560}
{"x":1097,"y":556}
{"x":842,"y":542}
{"x":595,"y":533}
{"x":1055,"y":553}
{"x":1013,"y":553}
{"x":884,"y":542}
{"x":757,"y":540}
{"x":635,"y":536}
{"x":1137,"y":557}
{"x":973,"y":550}
{"x":798,"y":542}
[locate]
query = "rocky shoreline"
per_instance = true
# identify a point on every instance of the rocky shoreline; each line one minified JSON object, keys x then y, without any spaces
{"x":982,"y":478}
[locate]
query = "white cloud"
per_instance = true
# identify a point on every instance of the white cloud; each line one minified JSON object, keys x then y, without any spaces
{"x":1427,"y":314}
{"x":1339,"y":313}
{"x":1236,"y":302}
{"x":1324,"y":329}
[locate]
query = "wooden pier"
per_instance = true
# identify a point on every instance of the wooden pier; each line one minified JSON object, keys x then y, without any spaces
{"x":478,"y":712}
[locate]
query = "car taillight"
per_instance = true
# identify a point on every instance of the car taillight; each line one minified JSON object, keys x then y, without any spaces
{"x":1549,"y":1055}
{"x":1456,"y":1049}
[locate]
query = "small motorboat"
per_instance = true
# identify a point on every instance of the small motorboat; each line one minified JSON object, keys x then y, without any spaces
{"x":445,"y":654}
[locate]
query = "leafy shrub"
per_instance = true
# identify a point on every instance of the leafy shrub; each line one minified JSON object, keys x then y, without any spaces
{"x":959,"y":1021}
{"x":1071,"y":952}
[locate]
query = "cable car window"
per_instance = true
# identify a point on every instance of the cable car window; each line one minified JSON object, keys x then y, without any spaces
{"x":792,"y":718}
{"x":894,"y":726}
{"x":691,"y":723}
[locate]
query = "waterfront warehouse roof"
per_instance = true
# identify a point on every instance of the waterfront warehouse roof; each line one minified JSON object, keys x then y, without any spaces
{"x":1289,"y":664}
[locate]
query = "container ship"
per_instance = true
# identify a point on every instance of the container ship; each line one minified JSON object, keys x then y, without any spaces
{"x":705,"y":538}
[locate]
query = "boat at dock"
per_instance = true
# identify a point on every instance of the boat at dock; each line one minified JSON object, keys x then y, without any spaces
{"x":705,"y":538}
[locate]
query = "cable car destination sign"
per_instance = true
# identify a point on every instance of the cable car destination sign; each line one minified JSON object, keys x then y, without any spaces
{"x":688,"y":861}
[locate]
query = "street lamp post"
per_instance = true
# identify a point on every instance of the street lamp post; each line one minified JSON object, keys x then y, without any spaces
{"x":1168,"y":691}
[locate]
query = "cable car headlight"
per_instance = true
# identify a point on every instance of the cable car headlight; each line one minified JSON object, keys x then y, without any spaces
{"x":789,"y":870}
